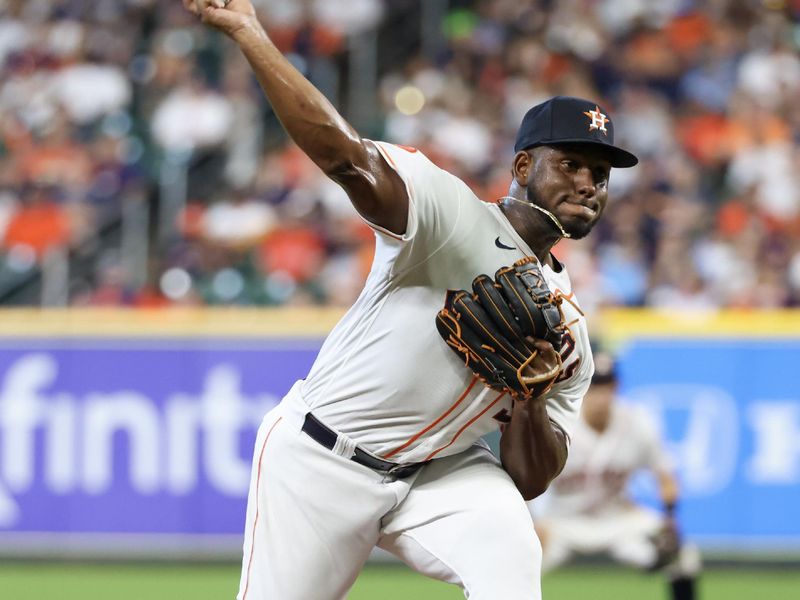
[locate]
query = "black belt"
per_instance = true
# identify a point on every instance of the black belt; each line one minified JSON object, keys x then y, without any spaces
{"x":321,"y":434}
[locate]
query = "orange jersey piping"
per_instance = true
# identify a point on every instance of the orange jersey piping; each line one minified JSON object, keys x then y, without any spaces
{"x":416,"y":436}
{"x":465,"y":426}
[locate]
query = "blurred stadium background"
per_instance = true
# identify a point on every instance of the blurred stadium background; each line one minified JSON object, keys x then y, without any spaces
{"x":169,"y":263}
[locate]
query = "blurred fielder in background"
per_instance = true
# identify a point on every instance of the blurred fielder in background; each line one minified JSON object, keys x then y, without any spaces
{"x":380,"y":444}
{"x":587,"y":509}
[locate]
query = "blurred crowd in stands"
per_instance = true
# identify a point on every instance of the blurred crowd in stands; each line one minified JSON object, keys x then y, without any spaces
{"x":109,"y":103}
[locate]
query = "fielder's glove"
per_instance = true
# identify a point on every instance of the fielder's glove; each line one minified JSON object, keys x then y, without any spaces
{"x":508,"y":330}
{"x":667,"y":543}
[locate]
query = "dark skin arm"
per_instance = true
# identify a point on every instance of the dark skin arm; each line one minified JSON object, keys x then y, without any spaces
{"x":533,"y":449}
{"x":374,"y":188}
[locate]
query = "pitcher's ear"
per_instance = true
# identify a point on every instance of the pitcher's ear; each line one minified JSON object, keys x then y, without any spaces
{"x":521,"y":166}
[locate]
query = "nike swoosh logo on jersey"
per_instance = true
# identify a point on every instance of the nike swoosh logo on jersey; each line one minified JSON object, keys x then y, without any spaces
{"x":500,"y":244}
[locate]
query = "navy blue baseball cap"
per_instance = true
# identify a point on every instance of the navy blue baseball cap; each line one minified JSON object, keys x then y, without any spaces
{"x":568,"y":120}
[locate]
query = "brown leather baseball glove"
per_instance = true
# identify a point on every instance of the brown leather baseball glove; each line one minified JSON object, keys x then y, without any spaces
{"x":508,"y":330}
{"x":667,"y":542}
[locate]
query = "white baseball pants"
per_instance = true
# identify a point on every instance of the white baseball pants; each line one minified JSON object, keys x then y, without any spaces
{"x":623,"y":534}
{"x":313,"y":517}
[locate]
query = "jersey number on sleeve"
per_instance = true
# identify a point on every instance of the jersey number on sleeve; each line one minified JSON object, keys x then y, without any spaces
{"x":567,"y":348}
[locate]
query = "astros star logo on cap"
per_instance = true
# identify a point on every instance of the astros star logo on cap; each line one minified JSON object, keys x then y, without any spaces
{"x":599,"y":120}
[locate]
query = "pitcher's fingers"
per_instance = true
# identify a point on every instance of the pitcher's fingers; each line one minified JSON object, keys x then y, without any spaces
{"x":539,"y":344}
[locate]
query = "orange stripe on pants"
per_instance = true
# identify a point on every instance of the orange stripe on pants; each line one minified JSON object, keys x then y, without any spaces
{"x":255,"y":521}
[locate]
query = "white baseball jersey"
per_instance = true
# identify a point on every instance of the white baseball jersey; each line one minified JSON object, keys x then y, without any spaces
{"x":385,"y":380}
{"x":384,"y":377}
{"x":600,"y":464}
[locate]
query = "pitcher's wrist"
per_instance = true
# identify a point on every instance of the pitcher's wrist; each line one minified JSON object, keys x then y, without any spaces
{"x":249,"y":33}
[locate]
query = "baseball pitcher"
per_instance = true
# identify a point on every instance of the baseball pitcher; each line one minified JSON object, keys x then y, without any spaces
{"x":466,"y":323}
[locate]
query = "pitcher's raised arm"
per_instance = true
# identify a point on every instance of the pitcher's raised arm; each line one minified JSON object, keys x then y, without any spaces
{"x":314,"y":124}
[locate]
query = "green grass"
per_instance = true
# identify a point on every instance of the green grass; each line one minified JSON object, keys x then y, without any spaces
{"x":67,"y":581}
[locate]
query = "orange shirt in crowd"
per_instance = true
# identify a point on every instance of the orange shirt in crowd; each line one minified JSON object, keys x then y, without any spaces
{"x":41,"y":226}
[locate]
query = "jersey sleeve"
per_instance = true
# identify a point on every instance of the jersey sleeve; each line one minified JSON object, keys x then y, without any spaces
{"x":435,"y":200}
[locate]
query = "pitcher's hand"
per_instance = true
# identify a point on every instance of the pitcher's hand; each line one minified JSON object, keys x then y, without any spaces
{"x":230,"y":18}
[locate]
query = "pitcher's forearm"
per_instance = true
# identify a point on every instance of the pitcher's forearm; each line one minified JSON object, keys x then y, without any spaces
{"x":377,"y":192}
{"x":533,"y":450}
{"x":307,"y":116}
